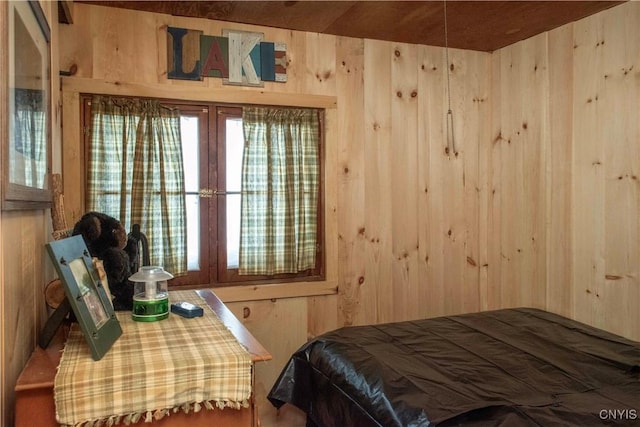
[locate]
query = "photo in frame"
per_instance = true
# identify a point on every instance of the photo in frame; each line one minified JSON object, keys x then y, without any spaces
{"x":27,"y":151}
{"x":85,"y":294}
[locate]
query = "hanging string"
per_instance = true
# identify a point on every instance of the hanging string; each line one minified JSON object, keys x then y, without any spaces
{"x":451,"y":140}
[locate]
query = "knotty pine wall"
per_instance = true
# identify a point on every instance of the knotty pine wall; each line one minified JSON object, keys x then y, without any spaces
{"x":402,"y":216}
{"x":539,"y":208}
{"x":24,"y":266}
{"x":563,"y":210}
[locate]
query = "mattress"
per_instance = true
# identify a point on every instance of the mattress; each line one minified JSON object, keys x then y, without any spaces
{"x":511,"y":367}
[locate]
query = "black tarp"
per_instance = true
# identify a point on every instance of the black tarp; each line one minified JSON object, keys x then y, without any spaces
{"x":512,"y":367}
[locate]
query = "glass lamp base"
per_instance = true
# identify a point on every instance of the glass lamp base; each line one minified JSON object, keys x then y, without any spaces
{"x":145,"y":310}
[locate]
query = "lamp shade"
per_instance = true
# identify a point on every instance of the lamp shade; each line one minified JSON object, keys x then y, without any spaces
{"x":150,"y":273}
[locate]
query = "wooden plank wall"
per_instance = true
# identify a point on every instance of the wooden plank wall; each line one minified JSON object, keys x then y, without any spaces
{"x":564,"y":211}
{"x":517,"y":212}
{"x":539,"y":207}
{"x":606,"y":155}
{"x":404,"y":243}
{"x":408,"y":229}
{"x":24,"y":266}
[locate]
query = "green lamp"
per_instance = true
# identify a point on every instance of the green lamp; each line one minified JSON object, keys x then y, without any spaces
{"x":150,"y":294}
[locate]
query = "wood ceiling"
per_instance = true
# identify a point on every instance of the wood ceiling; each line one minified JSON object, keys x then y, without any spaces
{"x":475,"y":25}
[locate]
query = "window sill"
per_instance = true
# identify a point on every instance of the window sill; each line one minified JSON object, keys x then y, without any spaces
{"x":275,"y":291}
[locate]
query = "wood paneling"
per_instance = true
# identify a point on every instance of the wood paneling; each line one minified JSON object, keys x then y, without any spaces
{"x":558,"y":161}
{"x":570,"y":179}
{"x":521,"y":129}
{"x":280,"y":325}
{"x":384,"y":157}
{"x":378,"y":188}
{"x":606,"y":162}
{"x":403,"y":161}
{"x":23,"y":310}
{"x":24,"y":267}
{"x":352,"y":284}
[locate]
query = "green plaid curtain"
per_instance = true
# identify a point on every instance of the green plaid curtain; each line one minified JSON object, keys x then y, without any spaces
{"x":29,"y":155}
{"x":280,"y":180}
{"x":136,"y":173}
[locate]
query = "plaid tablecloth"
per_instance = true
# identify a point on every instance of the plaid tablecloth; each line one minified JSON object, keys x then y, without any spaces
{"x":153,"y":370}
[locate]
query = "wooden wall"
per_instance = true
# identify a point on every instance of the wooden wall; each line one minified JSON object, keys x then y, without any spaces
{"x":409,"y":218}
{"x":605,"y":210}
{"x":24,"y":266}
{"x":540,"y":207}
{"x":564,"y":208}
{"x":403,"y":216}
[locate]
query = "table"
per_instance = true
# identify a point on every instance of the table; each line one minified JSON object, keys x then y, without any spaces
{"x":34,"y":388}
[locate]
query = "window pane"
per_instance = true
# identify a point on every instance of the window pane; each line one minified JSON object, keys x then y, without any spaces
{"x":233,"y":230}
{"x":234,"y":145}
{"x":189,"y":128}
{"x":233,"y":148}
{"x":193,"y":231}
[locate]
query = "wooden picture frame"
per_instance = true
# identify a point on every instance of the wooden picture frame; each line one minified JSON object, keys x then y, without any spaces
{"x":27,"y":150}
{"x":85,"y":293}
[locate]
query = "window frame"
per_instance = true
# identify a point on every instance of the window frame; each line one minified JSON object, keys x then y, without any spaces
{"x":213,"y":271}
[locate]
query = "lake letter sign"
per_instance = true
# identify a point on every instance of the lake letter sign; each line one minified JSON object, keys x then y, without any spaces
{"x":238,"y":57}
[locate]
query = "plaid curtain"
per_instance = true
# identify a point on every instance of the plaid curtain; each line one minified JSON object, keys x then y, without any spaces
{"x":29,"y":155}
{"x":280,"y":180}
{"x":136,"y":173}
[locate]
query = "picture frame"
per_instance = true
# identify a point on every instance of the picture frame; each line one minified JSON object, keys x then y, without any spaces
{"x":85,"y":294}
{"x":27,"y":150}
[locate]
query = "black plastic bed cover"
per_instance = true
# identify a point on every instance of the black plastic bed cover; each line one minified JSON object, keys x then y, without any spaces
{"x":512,"y":367}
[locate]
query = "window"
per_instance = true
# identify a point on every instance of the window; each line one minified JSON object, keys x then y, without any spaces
{"x":212,"y":138}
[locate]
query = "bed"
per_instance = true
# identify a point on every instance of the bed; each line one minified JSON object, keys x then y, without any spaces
{"x":511,"y":367}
